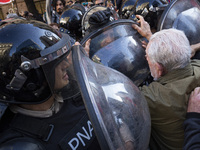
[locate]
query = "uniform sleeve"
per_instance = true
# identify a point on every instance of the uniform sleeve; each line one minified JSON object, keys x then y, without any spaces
{"x":192,"y":131}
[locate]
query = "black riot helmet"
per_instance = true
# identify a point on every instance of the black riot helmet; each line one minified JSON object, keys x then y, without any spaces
{"x":31,"y":54}
{"x":118,"y":46}
{"x":70,"y":21}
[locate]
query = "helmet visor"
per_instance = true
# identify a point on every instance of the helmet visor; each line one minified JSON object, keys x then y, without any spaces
{"x":60,"y":76}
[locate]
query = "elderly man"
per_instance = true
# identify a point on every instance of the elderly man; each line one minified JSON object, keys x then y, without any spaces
{"x":175,"y":76}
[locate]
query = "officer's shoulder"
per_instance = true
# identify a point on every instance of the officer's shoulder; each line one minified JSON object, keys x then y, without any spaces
{"x":21,"y":143}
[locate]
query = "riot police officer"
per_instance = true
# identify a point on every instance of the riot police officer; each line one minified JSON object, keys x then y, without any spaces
{"x":40,"y":99}
{"x":45,"y":108}
{"x":70,"y":21}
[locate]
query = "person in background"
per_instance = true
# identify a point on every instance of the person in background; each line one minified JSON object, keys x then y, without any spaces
{"x":12,"y":15}
{"x":27,"y":15}
{"x":58,"y":6}
{"x":69,"y":3}
{"x":99,"y":2}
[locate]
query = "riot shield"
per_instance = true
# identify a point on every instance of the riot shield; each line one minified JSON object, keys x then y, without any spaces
{"x":117,"y":110}
{"x":49,"y":10}
{"x":183,"y":15}
{"x":118,"y":45}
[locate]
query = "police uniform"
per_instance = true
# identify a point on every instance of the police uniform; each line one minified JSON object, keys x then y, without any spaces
{"x":69,"y":129}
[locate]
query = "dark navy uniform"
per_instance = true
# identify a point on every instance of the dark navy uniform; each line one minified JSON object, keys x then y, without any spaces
{"x":69,"y":129}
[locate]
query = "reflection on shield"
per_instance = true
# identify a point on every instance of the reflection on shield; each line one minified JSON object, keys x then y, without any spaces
{"x":183,"y":15}
{"x":85,"y":21}
{"x":118,"y":111}
{"x":85,"y":24}
{"x":118,"y":46}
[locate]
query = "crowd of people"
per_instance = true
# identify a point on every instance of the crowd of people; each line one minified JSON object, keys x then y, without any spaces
{"x":43,"y":105}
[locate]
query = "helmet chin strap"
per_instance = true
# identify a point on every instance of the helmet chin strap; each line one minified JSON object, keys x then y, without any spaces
{"x":17,"y":81}
{"x":19,"y":78}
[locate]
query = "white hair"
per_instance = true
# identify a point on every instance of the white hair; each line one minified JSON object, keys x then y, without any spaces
{"x":171,"y":48}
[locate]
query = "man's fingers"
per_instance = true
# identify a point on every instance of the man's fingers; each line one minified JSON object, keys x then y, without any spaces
{"x":135,"y":26}
{"x":87,"y":46}
{"x":88,"y":43}
{"x":144,"y":44}
{"x":140,"y":17}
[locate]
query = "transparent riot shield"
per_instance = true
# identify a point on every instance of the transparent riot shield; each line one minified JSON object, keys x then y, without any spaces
{"x":118,"y":46}
{"x":117,"y":110}
{"x":49,"y":10}
{"x":183,"y":15}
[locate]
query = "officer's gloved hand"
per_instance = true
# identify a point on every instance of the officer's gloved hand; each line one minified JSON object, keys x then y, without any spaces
{"x":100,"y":18}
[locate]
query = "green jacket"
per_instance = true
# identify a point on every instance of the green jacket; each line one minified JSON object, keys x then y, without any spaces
{"x":167,"y":99}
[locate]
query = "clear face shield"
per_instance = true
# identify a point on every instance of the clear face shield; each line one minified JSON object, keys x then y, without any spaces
{"x":118,"y":46}
{"x":56,"y":63}
{"x":60,"y":76}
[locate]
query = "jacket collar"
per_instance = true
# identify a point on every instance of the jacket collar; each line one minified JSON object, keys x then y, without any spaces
{"x":176,"y":74}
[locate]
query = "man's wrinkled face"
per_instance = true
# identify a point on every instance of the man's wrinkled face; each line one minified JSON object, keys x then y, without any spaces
{"x":59,"y":7}
{"x":61,"y":75}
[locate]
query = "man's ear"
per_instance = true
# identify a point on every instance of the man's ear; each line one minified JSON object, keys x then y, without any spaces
{"x":160,"y":69}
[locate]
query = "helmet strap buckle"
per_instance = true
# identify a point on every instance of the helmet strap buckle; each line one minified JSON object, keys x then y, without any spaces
{"x":17,"y":81}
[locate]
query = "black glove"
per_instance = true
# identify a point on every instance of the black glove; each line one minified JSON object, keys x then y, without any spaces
{"x":100,"y":18}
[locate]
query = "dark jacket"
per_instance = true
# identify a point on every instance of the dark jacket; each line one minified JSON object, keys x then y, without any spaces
{"x":70,"y":128}
{"x":167,"y":99}
{"x":192,"y":131}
